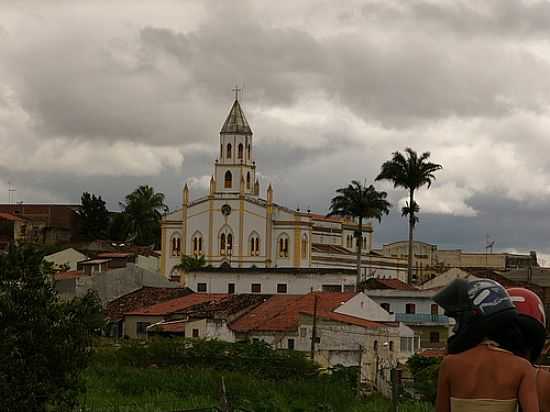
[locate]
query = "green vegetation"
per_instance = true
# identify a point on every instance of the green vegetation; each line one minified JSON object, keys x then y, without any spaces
{"x":43,"y":342}
{"x":361,"y":202}
{"x":186,"y":374}
{"x":425,"y":372}
{"x":190,"y":263}
{"x":94,"y":217}
{"x":410,"y":172}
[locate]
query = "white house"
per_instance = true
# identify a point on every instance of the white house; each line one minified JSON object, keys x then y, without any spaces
{"x":233,"y":226}
{"x":67,"y":257}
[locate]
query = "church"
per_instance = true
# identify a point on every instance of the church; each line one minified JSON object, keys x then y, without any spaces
{"x":234,"y":226}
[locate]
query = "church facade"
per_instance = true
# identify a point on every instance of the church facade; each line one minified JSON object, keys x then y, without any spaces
{"x":235,"y":227}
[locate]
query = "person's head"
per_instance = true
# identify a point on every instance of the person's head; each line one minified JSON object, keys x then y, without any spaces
{"x":481,"y":308}
{"x":531,"y":322}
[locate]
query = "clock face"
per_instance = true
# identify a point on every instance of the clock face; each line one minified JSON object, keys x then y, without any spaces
{"x":226,"y":210}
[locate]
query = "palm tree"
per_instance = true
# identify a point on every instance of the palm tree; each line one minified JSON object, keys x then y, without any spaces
{"x":191,"y":263}
{"x":359,"y":202}
{"x":410,"y":172}
{"x":143,"y":210}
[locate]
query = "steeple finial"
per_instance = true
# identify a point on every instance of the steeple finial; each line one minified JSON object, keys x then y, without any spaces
{"x":237,"y":89}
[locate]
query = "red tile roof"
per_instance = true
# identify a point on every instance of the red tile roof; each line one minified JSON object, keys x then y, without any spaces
{"x":178,"y":304}
{"x":9,"y":216}
{"x":395,"y":284}
{"x":146,"y":296}
{"x":72,"y":274}
{"x":114,"y":255}
{"x":178,"y":327}
{"x":351,"y":320}
{"x":281,"y":312}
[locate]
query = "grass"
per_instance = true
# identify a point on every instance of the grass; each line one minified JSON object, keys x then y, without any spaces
{"x":116,"y":387}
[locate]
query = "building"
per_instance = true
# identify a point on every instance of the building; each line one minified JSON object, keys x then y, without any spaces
{"x":50,"y":223}
{"x":14,"y":229}
{"x":66,"y":259}
{"x":416,"y":309}
{"x":429,"y":260}
{"x":233,"y":226}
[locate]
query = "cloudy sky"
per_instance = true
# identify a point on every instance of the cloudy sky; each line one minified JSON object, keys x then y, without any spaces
{"x":102,"y":96}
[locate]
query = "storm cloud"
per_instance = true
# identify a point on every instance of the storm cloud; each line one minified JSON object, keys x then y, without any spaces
{"x":102,"y":96}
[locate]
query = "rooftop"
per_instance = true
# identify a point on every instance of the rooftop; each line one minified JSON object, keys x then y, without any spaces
{"x":140,"y":298}
{"x":236,"y":121}
{"x":292,"y":270}
{"x":176,"y":305}
{"x":382,"y":283}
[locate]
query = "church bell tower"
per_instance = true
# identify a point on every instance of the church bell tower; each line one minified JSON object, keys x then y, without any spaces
{"x":235,"y":163}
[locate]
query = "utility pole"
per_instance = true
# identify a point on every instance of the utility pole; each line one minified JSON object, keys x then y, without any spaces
{"x":395,"y":382}
{"x":314,"y":329}
{"x":360,"y":372}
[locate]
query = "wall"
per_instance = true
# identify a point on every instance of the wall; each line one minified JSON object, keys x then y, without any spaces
{"x":151,"y":263}
{"x":119,"y":282}
{"x":363,"y":307}
{"x":129,"y":327}
{"x":68,"y":256}
{"x":398,"y":300}
{"x":296,"y":283}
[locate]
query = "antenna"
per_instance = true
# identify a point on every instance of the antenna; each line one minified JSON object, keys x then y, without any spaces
{"x":489,"y":244}
{"x":11,"y":193}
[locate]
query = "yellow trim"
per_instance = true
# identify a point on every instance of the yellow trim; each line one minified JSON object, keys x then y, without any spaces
{"x":162,"y":249}
{"x":210,"y":225}
{"x":297,"y":246}
{"x":241,"y":229}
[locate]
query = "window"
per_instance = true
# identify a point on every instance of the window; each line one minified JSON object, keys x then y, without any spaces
{"x":228,"y":180}
{"x":304,"y":247}
{"x":283,"y":247}
{"x":197,"y":244}
{"x":254,"y":245}
{"x":240,"y":151}
{"x":248,"y":151}
{"x":256,"y":288}
{"x":231,"y":288}
{"x":434,"y":310}
{"x":364,"y":243}
{"x":195,"y":333}
{"x":303,"y":332}
{"x":222,"y":244}
{"x":385,"y":306}
{"x":375,"y":346}
{"x":349,"y":288}
{"x":229,"y":150}
{"x":176,"y":246}
{"x":248,"y":180}
{"x":229,"y":243}
{"x":290,"y":344}
{"x":201,"y":287}
{"x":391,"y":345}
{"x":410,"y":308}
{"x":281,"y":288}
{"x":434,"y":337}
{"x":226,"y":244}
{"x":331,"y":288}
{"x":141,"y":328}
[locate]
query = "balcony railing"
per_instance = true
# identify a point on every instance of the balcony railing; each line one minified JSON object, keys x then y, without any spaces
{"x":421,"y":318}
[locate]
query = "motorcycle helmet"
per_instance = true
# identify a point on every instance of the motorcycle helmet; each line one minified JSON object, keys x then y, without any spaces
{"x":480,"y":308}
{"x":531,"y":321}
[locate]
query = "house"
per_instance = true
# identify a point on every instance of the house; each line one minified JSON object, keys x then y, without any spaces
{"x":112,"y":284}
{"x":470,"y":274}
{"x":145,"y":296}
{"x":269,"y":280}
{"x":92,"y":266}
{"x":16,"y":229}
{"x":53,"y":223}
{"x":416,"y":309}
{"x":66,"y":259}
{"x":286,"y":322}
{"x":429,"y":260}
{"x":137,"y":322}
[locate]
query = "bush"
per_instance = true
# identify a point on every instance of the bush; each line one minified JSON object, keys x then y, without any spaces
{"x":425,"y":372}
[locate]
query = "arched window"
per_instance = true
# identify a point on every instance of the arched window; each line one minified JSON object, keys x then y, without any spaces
{"x":364,"y":243}
{"x":248,"y":151}
{"x":254,"y":244}
{"x":375,"y":346}
{"x":240,"y":151}
{"x":391,"y":345}
{"x":304,"y":247}
{"x":229,"y":150}
{"x":176,"y":245}
{"x":228,"y":181}
{"x":197,"y":244}
{"x":222,"y":244}
{"x":248,"y":180}
{"x":229,"y":243}
{"x":283,"y":246}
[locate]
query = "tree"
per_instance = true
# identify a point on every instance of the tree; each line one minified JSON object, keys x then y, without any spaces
{"x":410,"y":172}
{"x":44,"y":343}
{"x":191,"y":263}
{"x":407,"y":210}
{"x":94,"y":217}
{"x":143,"y":210}
{"x":359,"y":202}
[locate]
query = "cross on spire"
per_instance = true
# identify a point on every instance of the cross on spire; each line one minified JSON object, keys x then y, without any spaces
{"x":237,"y":90}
